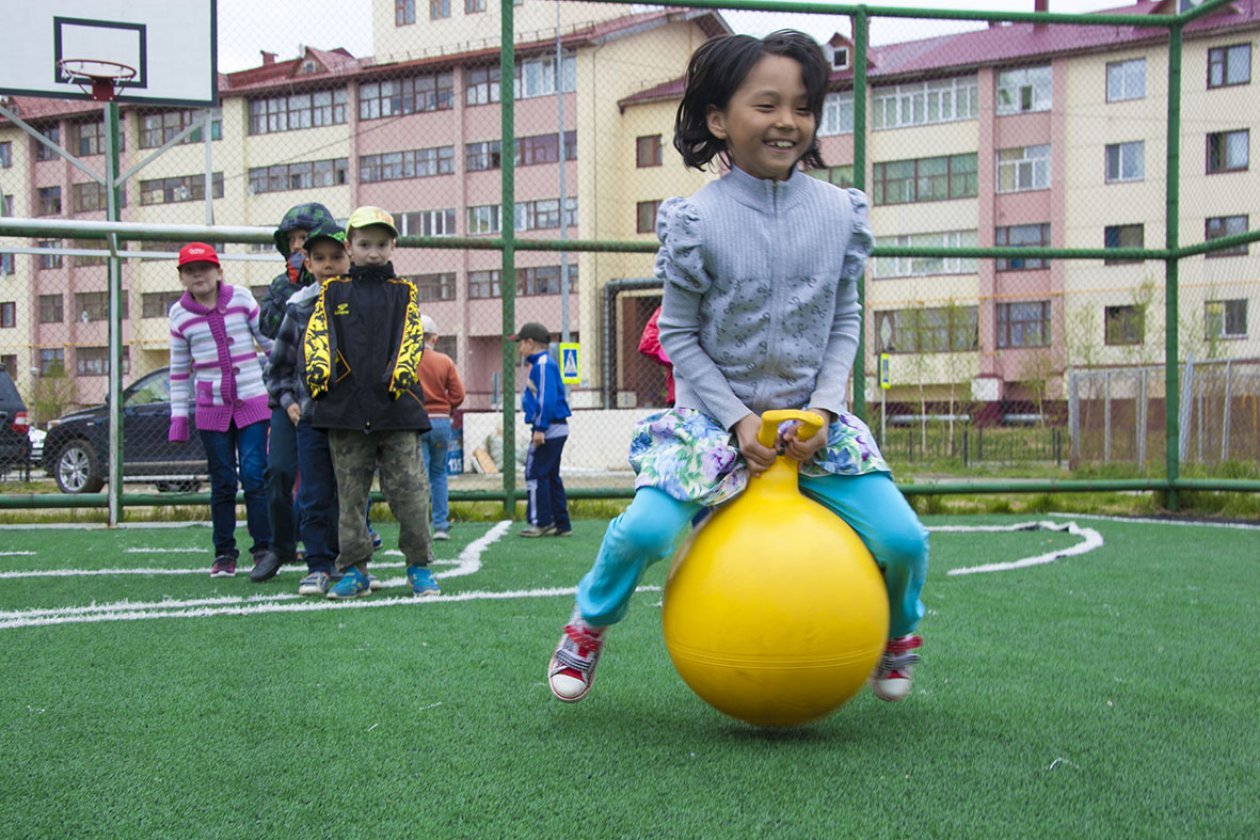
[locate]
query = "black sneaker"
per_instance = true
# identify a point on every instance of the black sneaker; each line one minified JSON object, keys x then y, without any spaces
{"x":266,"y":564}
{"x":224,"y":566}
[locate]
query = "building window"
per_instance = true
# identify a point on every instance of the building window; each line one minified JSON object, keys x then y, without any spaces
{"x":1023,"y":324}
{"x":537,"y":76}
{"x":1123,"y":236}
{"x":298,"y":111}
{"x":481,"y":85}
{"x":1218,"y":226}
{"x":42,"y":152}
{"x":6,"y":205}
{"x":1226,"y":318}
{"x":85,"y":260}
{"x":1126,"y":80}
{"x":925,"y":179}
{"x":484,"y":284}
{"x":1022,"y":236}
{"x":540,"y":215}
{"x":426,"y":222}
{"x":94,"y":361}
{"x":837,"y":114}
{"x":157,"y":129}
{"x":840,"y":58}
{"x":472,"y":7}
{"x":49,"y":201}
{"x":52,"y":361}
{"x":545,"y":148}
{"x":435,"y":286}
{"x":645,"y":213}
{"x":404,"y":12}
{"x":7,"y":266}
{"x":1126,"y":161}
{"x":1024,"y":90}
{"x":1228,"y":66}
{"x":923,"y":103}
{"x":44,"y":261}
{"x":51,"y":309}
{"x":439,"y":9}
{"x":647,"y":151}
{"x":418,"y":94}
{"x":841,"y":176}
{"x":886,"y":267}
{"x":94,"y":306}
{"x":158,"y":304}
{"x":176,"y":190}
{"x":938,"y":330}
{"x":88,"y":139}
{"x":484,"y":219}
{"x":1124,"y":325}
{"x":1227,"y":151}
{"x":399,"y":166}
{"x":8,"y":362}
{"x":1023,"y":169}
{"x":91,"y":196}
{"x":8,"y":315}
{"x":6,"y":154}
{"x":299,"y":176}
{"x":543,"y":280}
{"x":482,"y":156}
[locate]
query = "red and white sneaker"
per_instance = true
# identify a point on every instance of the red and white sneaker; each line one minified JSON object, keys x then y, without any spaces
{"x":571,"y":672}
{"x":891,"y":680}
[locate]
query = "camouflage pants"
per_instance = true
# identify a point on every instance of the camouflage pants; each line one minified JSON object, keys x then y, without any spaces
{"x":356,"y":457}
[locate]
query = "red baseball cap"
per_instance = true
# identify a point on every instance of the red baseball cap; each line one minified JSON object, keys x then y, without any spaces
{"x":197,"y":252}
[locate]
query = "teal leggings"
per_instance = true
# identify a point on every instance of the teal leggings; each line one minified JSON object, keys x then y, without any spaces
{"x":871,"y":504}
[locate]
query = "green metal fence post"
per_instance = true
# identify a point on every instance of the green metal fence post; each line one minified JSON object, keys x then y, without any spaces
{"x":1172,"y":178}
{"x":860,"y":33}
{"x":507,"y":275}
{"x":113,"y":201}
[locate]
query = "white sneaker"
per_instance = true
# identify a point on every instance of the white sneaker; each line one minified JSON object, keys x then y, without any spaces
{"x":571,"y":672}
{"x":891,"y":680}
{"x":441,"y":535}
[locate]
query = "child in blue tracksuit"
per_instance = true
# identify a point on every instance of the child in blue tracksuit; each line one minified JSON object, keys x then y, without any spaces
{"x":546,"y":412}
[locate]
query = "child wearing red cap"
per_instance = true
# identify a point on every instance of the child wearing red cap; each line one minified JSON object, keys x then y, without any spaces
{"x":214,"y":330}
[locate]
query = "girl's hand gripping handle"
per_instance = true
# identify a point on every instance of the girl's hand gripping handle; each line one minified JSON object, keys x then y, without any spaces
{"x":810,"y":425}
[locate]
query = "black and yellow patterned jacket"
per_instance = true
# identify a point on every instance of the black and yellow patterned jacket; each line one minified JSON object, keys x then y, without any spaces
{"x":362,"y":353}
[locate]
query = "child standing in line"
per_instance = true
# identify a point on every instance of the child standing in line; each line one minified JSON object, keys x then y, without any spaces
{"x":214,"y":328}
{"x":326,"y":258}
{"x":547,"y":413}
{"x":760,"y":311}
{"x":443,"y":393}
{"x":290,"y":238}
{"x":362,"y":354}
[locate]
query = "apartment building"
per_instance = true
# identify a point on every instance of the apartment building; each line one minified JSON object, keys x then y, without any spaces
{"x":1013,"y":135}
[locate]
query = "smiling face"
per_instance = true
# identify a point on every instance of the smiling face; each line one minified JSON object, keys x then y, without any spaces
{"x":327,"y":258}
{"x":371,"y":245}
{"x":201,"y":279}
{"x":768,"y":125}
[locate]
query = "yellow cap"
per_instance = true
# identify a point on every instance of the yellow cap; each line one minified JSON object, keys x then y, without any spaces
{"x":368,"y":215}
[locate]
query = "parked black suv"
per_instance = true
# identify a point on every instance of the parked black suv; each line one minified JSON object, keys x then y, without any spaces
{"x":76,"y":450}
{"x":15,"y":446}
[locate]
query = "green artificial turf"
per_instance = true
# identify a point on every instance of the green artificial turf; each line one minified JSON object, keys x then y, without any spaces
{"x":1108,"y":694}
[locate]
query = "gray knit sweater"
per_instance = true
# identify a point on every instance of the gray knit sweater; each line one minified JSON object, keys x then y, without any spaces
{"x":760,"y":308}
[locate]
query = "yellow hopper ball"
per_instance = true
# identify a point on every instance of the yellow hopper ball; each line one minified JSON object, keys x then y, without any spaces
{"x":775,"y":613}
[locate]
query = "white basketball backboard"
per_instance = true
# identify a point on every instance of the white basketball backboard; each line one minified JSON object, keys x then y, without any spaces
{"x":170,"y":43}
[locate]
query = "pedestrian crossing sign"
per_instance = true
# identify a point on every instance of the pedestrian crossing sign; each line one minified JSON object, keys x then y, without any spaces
{"x":569,"y":363}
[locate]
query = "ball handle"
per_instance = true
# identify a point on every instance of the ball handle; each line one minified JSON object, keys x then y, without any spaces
{"x":810,"y":422}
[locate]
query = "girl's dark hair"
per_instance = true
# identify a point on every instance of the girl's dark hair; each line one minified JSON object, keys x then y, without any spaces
{"x":717,"y":70}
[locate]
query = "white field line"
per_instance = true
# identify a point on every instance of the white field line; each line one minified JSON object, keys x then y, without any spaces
{"x":1092,"y":540}
{"x":17,"y":554}
{"x":1181,"y":523}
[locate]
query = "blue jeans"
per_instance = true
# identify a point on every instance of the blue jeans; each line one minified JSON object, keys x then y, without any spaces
{"x":223,"y":449}
{"x":545,"y":501}
{"x":282,"y":472}
{"x":436,"y":445}
{"x":871,"y":504}
{"x":317,"y":498}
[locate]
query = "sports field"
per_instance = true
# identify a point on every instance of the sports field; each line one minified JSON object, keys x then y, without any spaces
{"x":1098,"y":680}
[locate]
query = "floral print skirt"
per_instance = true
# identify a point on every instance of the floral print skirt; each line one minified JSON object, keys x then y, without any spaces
{"x":688,"y":455}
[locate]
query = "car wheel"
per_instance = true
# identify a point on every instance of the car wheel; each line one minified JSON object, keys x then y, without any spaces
{"x":78,"y":468}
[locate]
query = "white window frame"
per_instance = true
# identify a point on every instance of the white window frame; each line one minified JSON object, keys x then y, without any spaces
{"x":1126,"y":80}
{"x":837,"y":114}
{"x":485,"y":219}
{"x":1030,"y":171}
{"x":925,"y":103}
{"x":1125,"y":162}
{"x":537,"y":76}
{"x":1216,"y":318}
{"x":1025,"y":90}
{"x":890,"y":267}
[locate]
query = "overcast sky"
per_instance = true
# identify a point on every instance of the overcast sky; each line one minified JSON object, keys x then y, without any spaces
{"x":248,"y":26}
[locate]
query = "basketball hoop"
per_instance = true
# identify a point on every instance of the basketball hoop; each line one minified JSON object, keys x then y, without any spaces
{"x":98,"y":78}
